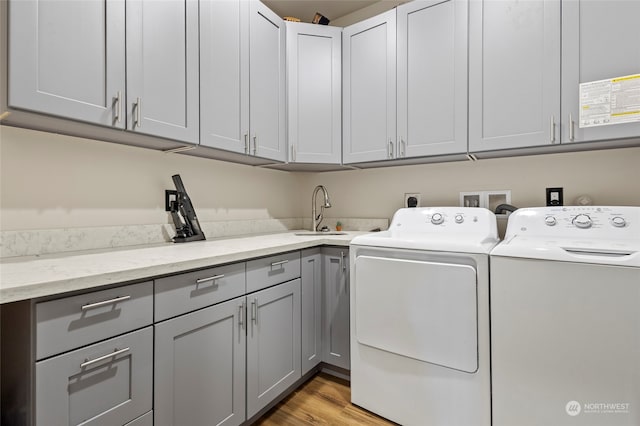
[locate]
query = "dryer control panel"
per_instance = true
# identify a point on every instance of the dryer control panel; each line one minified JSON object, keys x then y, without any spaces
{"x":592,"y":221}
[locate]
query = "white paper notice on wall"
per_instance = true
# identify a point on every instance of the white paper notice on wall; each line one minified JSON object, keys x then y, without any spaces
{"x":611,"y":101}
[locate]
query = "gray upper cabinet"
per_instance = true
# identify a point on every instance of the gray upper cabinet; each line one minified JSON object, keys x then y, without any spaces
{"x":369,"y":89}
{"x":514,"y":74}
{"x":311,"y":295}
{"x":267,"y":83}
{"x":599,"y":41}
{"x":273,"y":343}
{"x":162,"y":68}
{"x":314,"y":105}
{"x":200,"y":367}
{"x":336,"y":350}
{"x":242,"y":66}
{"x":66,"y":66}
{"x":432,"y":78}
{"x":224,"y":75}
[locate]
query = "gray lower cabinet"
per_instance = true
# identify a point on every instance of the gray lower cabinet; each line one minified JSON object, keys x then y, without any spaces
{"x":311,"y":299}
{"x":273,"y":343}
{"x":108,"y":383}
{"x":336,"y":343}
{"x":200,"y":367}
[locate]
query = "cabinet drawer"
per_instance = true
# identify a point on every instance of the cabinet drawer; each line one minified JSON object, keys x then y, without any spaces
{"x":109,"y":383}
{"x":194,"y":290}
{"x":72,"y":322}
{"x":268,"y":271}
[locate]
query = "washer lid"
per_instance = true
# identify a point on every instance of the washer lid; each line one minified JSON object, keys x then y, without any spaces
{"x":454,"y":229}
{"x":601,"y":235}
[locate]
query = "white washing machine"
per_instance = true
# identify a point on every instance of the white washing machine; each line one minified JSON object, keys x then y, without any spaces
{"x":565,"y":318}
{"x":420,"y":317}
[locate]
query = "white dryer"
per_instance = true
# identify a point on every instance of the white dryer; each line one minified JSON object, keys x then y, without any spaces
{"x":420,"y":317}
{"x":565,"y":318}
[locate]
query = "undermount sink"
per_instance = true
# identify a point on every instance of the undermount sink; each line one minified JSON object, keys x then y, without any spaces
{"x":311,"y":233}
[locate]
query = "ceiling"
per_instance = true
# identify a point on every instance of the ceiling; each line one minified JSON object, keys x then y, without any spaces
{"x":306,"y":9}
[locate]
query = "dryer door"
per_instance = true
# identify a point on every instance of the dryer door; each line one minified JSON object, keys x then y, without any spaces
{"x":418,"y":309}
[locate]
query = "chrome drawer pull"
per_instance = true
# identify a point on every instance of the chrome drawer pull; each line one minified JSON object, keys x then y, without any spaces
{"x":241,"y":314}
{"x":117,"y":106}
{"x":137,"y":119}
{"x":105,"y":302}
{"x":282,"y":262}
{"x":115,"y":353}
{"x":254,"y":311}
{"x":213,"y":278}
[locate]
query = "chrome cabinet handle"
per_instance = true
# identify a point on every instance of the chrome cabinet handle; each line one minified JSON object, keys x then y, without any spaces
{"x":282,"y":262}
{"x":403,"y":145}
{"x":343,"y":264}
{"x":213,"y":278}
{"x":105,"y":302}
{"x":117,"y":107}
{"x":113,"y":354}
{"x":246,"y":143}
{"x":553,"y":130}
{"x":571,"y":134}
{"x":293,"y":153}
{"x":138,"y":106}
{"x":255,"y":144}
{"x":390,"y":148}
{"x":241,"y":314}
{"x":254,"y":311}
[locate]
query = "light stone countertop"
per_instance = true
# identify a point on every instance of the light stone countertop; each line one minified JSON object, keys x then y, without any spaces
{"x":29,"y":277}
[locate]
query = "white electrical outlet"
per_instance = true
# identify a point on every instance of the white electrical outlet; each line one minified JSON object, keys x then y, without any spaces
{"x":408,"y":195}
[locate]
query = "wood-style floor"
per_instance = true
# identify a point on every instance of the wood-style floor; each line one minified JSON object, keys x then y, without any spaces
{"x":323,"y":400}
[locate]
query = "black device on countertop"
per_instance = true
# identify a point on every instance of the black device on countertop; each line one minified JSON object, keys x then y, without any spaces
{"x":183,"y":214}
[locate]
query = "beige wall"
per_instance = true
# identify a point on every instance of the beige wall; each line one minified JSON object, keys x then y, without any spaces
{"x":53,"y":181}
{"x":607,"y":176}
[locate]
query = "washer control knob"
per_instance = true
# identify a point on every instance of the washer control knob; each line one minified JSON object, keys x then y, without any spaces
{"x":550,"y":220}
{"x":437,"y":218}
{"x":459,"y":218}
{"x":582,"y":221}
{"x":618,"y":222}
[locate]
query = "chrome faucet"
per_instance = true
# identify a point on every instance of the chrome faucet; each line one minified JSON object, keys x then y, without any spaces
{"x":317,"y":218}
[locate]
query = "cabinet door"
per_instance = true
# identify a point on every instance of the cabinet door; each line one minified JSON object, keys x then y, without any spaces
{"x":68,"y":59}
{"x":162,"y":68}
{"x":267,"y":83}
{"x":514,"y":74}
{"x":311,"y":293}
{"x":108,"y":383}
{"x":273,"y":343}
{"x":314,"y":76}
{"x":224,"y":74}
{"x":336,"y":307}
{"x":432,"y":78}
{"x":599,"y":41}
{"x":369,"y":89}
{"x":200,"y":367}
